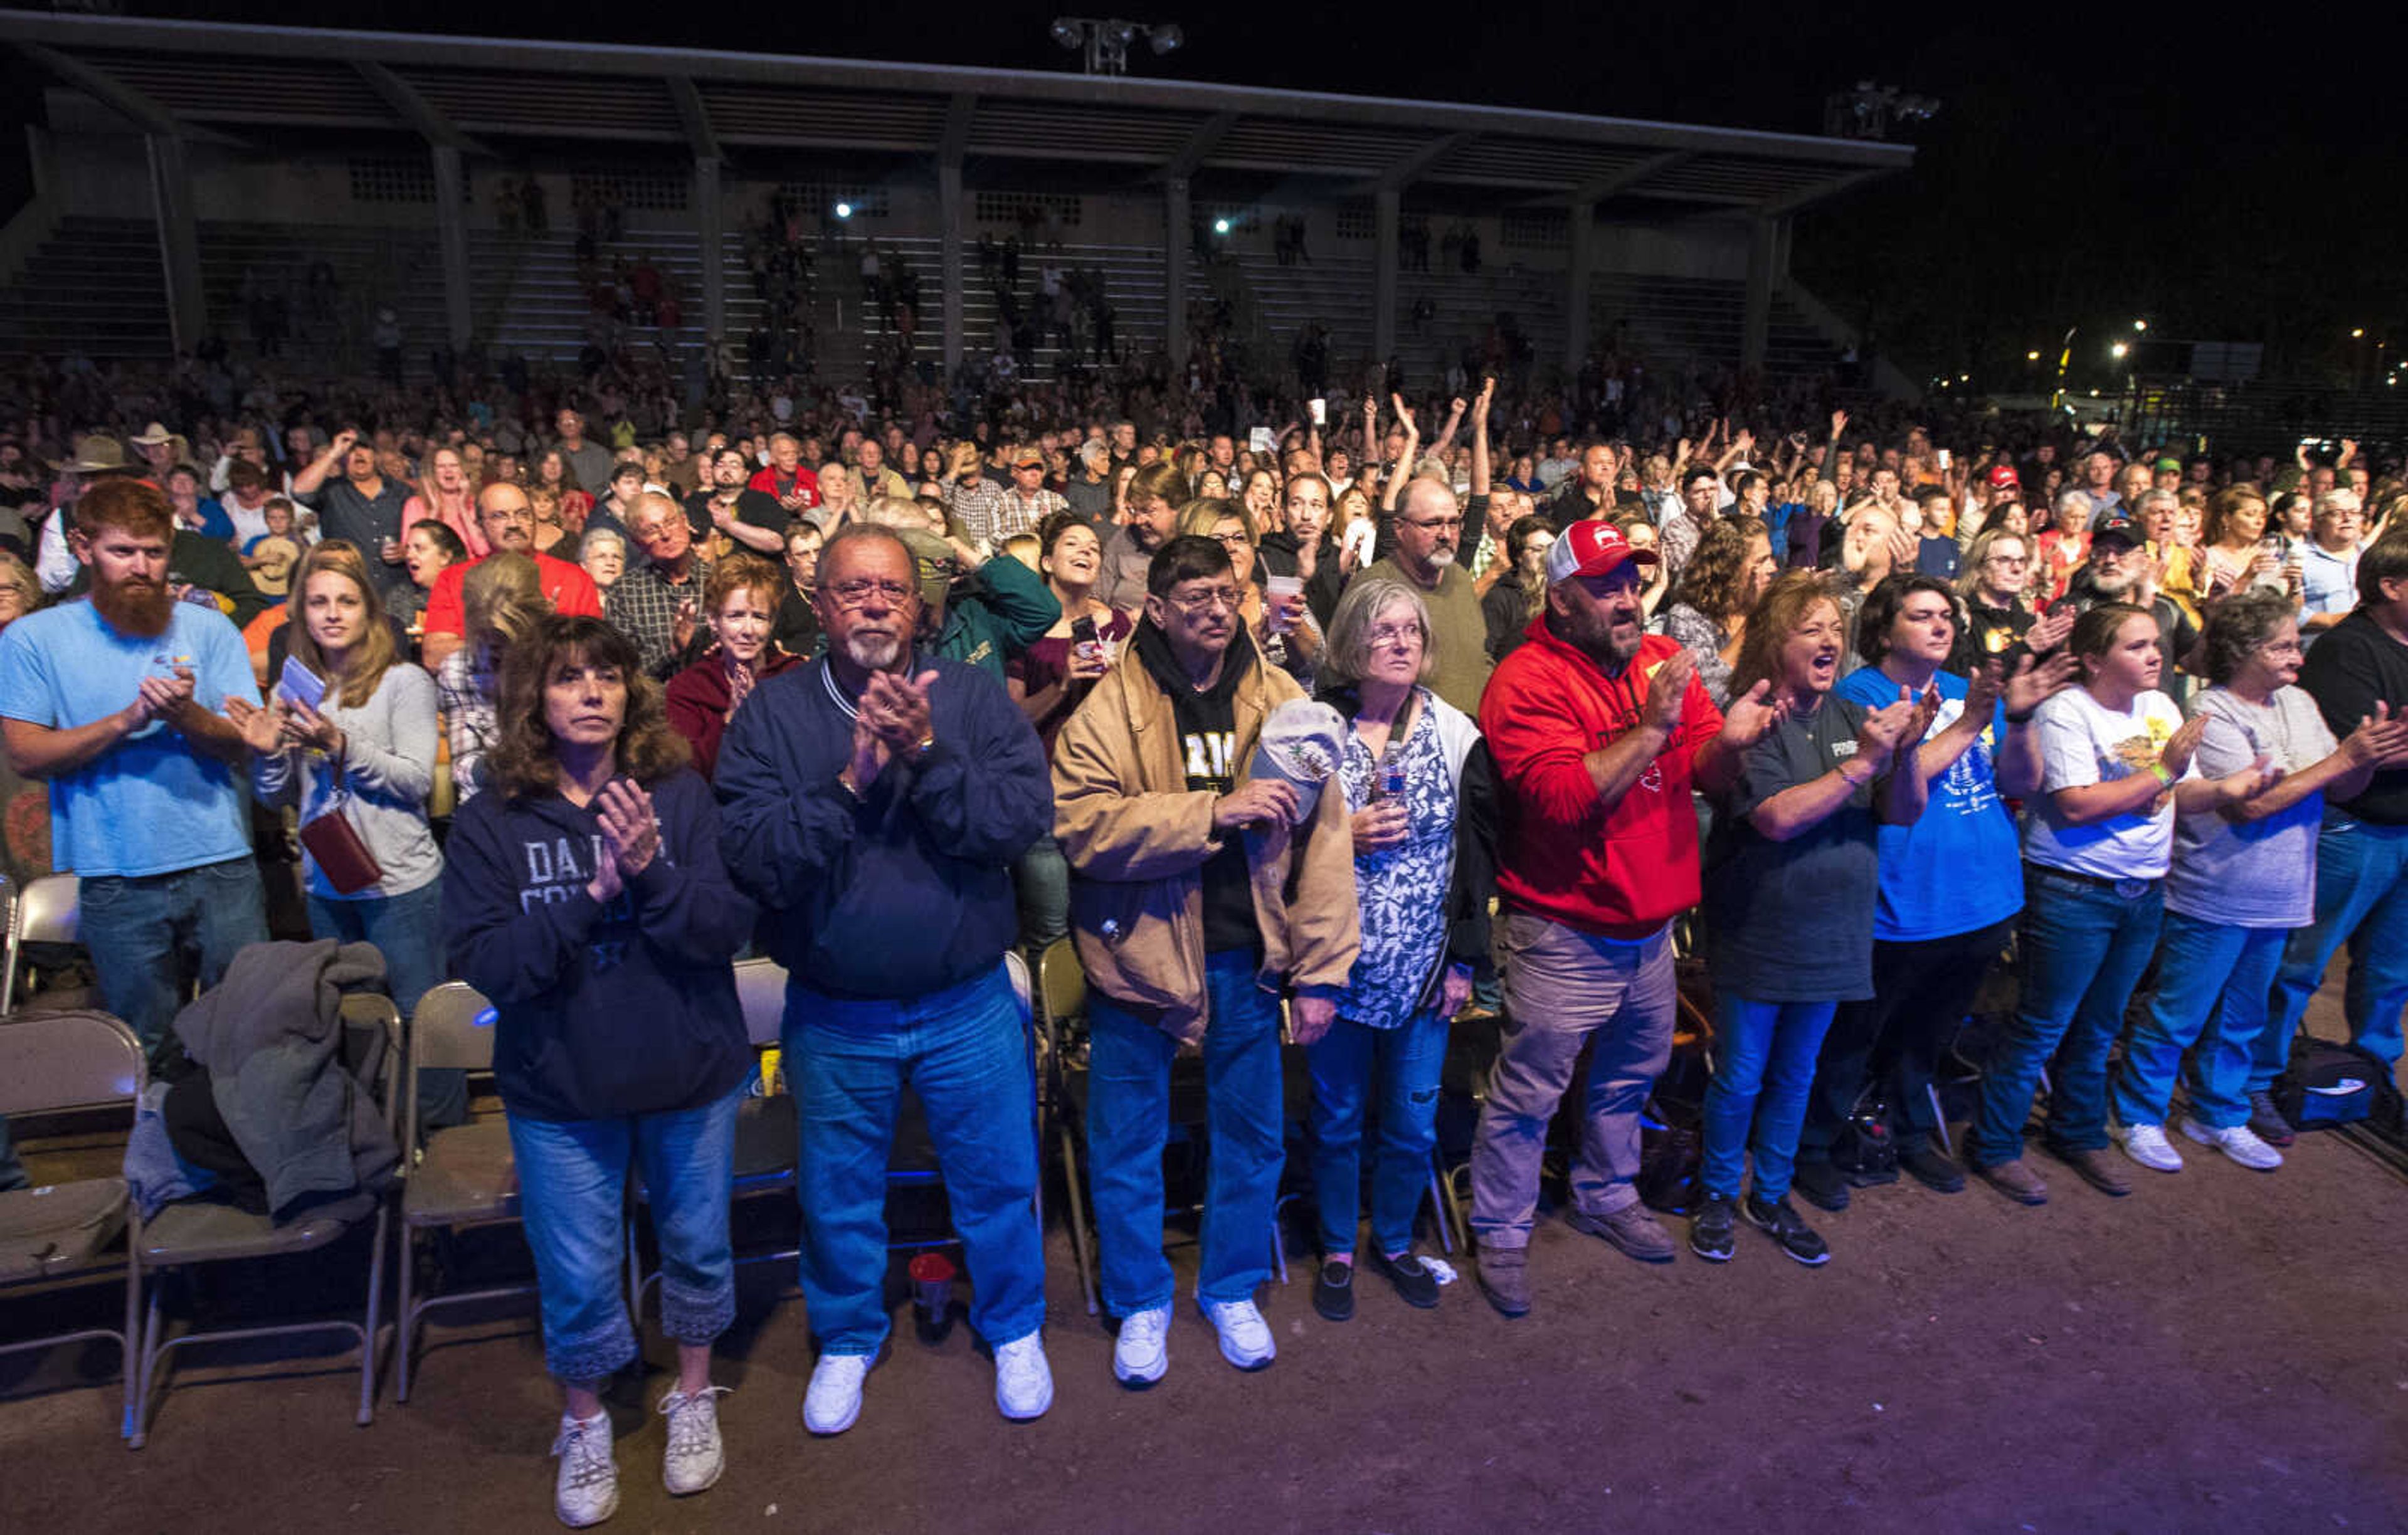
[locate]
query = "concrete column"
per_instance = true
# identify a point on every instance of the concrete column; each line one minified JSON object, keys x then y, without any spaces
{"x":710,"y":233}
{"x":180,"y":240}
{"x":451,"y":231}
{"x":1175,"y":238}
{"x":1756,"y":331}
{"x":1576,"y":285}
{"x":1387,"y":203}
{"x":949,"y":263}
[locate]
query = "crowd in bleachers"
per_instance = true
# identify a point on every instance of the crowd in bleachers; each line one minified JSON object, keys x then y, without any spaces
{"x":1344,"y":723}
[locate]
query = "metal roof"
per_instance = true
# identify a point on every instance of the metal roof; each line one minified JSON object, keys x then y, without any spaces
{"x":254,"y":84}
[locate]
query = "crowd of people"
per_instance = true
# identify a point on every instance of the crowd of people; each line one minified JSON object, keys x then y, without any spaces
{"x":1338,"y":723}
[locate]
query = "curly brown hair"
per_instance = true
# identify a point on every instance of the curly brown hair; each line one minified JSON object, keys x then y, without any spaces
{"x":1717,"y":574}
{"x":524,"y":761}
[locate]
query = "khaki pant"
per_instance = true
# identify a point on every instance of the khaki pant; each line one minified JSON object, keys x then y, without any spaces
{"x":1561,"y":987}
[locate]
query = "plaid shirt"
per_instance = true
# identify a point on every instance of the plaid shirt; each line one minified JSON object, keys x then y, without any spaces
{"x":643,"y":603}
{"x":1016,"y":514}
{"x":975,"y":506}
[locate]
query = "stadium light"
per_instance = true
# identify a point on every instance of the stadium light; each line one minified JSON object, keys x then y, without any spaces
{"x":2140,"y":324}
{"x":1106,"y":39}
{"x":844,"y":210}
{"x":1220,"y":226}
{"x":2032,"y":357}
{"x":2118,"y":349}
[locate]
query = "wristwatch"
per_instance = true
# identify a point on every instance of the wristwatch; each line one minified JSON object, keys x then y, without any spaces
{"x":927,"y":744}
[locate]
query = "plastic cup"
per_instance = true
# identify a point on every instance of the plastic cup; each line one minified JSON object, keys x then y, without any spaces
{"x":1279,"y":589}
{"x":932,"y":1297}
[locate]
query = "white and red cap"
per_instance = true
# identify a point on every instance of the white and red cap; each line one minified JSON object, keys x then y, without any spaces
{"x":1591,"y":548}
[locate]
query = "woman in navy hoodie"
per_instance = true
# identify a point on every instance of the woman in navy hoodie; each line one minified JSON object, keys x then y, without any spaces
{"x":586,"y":897}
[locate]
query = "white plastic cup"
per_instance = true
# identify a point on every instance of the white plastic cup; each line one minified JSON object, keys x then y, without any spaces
{"x":1279,"y":589}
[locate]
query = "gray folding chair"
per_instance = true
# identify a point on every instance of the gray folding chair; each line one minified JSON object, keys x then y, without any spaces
{"x":458,"y":1177}
{"x":43,"y":912}
{"x":766,"y":1137}
{"x":192,"y":1233}
{"x":62,"y":1235}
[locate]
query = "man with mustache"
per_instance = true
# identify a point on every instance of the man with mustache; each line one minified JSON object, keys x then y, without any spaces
{"x":1429,"y":528}
{"x":873,"y":802}
{"x":116,"y":702}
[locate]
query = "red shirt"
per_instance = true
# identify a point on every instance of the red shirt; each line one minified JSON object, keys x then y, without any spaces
{"x":765,"y":481}
{"x":1621,"y":873}
{"x":571,"y":592}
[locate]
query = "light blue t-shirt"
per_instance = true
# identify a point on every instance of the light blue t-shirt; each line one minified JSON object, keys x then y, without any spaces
{"x":1958,"y":868}
{"x":150,"y":804}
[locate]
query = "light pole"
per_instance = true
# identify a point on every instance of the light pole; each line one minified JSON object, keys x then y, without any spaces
{"x":1106,"y":39}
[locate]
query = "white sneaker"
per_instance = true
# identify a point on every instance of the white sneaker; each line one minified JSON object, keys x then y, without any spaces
{"x":1245,"y":1336}
{"x":1024,"y":1381}
{"x":1143,"y":1351}
{"x":2146,"y":1144}
{"x":2239,"y":1142}
{"x":588,"y":1490}
{"x":695,"y":1456}
{"x":834,"y":1399}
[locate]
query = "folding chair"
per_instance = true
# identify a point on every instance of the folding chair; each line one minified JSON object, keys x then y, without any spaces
{"x":43,"y":912}
{"x":766,"y":1136}
{"x":59,"y":1235}
{"x":454,"y":1178}
{"x":192,"y":1233}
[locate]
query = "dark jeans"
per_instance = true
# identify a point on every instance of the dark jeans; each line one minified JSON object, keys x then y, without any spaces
{"x":1921,"y":992}
{"x":141,"y":931}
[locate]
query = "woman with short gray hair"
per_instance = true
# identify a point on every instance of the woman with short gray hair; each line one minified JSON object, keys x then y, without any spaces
{"x":1416,"y":779}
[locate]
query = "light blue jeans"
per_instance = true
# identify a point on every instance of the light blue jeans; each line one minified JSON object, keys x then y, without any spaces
{"x":965,"y":1052}
{"x":2211,"y":1001}
{"x":1128,"y":1119}
{"x":1351,"y":1064}
{"x":1763,"y":1065}
{"x":2361,"y":900}
{"x":573,"y":1182}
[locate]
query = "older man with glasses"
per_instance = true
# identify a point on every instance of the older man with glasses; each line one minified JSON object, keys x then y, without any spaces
{"x":1429,"y":529}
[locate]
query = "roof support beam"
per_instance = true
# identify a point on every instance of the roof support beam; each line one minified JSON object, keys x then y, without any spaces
{"x":1788,"y":203}
{"x":1400,"y":175}
{"x":699,"y":135}
{"x":1599,"y":188}
{"x":1203,"y":141}
{"x":961,"y":109}
{"x":415,"y":109}
{"x":119,"y":97}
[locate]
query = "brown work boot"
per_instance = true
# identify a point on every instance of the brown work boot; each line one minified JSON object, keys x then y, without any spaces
{"x":1632,"y":1230}
{"x":2097,"y":1170}
{"x":2014,"y":1179}
{"x":1504,"y":1275}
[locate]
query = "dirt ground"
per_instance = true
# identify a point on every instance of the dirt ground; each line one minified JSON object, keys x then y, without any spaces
{"x":2220,"y":1351}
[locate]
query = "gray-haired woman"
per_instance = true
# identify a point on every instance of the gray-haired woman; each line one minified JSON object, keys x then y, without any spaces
{"x":1417,"y":779}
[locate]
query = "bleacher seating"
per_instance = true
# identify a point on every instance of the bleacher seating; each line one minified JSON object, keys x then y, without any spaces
{"x":95,"y":287}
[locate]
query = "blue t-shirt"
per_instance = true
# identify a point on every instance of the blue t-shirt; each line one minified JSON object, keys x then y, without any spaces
{"x":1959,"y":868}
{"x":150,"y":804}
{"x":215,"y":524}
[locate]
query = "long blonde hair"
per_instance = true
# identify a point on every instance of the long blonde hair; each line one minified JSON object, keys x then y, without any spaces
{"x":363,"y":669}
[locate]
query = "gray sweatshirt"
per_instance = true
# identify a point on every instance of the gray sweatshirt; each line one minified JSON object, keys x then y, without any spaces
{"x":388,"y":766}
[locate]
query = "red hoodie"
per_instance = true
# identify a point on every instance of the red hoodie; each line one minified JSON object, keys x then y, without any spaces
{"x":1621,"y":873}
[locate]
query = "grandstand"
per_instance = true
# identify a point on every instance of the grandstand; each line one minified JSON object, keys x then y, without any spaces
{"x":379,"y":166}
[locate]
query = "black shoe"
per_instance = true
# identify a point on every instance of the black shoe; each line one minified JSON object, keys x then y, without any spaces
{"x":1415,"y":1285}
{"x":1333,"y":1291}
{"x":1710,"y":1231}
{"x":1790,"y":1230}
{"x":1931,"y":1168}
{"x":1826,"y":1187}
{"x":2267,"y":1121}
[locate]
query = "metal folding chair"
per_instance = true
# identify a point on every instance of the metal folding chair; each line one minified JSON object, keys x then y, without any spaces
{"x":192,"y":1233}
{"x":62,"y":1235}
{"x":454,"y":1178}
{"x":44,"y":911}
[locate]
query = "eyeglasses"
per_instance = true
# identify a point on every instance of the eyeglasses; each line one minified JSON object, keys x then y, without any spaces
{"x":1442,"y":524}
{"x":1394,"y":634}
{"x":2008,"y":560}
{"x":1237,"y":540}
{"x":1194,"y":604}
{"x":854,"y":593}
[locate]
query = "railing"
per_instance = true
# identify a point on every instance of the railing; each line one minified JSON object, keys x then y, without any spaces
{"x":2265,"y":416}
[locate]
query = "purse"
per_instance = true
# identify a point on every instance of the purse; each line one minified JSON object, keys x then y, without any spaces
{"x":338,"y":851}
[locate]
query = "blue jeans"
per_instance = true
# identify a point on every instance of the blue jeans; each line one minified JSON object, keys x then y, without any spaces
{"x":139,"y":930}
{"x":408,"y":929}
{"x":1128,"y":1118}
{"x":965,"y":1052}
{"x":2085,"y":948}
{"x":2212,"y":988}
{"x":2361,"y":899}
{"x":573,"y":1181}
{"x":1405,"y":1061}
{"x":1763,"y":1065}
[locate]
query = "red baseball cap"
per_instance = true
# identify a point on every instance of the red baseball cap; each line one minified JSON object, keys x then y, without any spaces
{"x":1591,"y":548}
{"x":2004,"y":475}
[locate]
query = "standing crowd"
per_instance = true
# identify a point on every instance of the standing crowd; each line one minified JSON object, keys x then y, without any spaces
{"x":1347,"y":739}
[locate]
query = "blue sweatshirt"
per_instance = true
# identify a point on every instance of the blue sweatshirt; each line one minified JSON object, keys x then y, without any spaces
{"x":907,"y":890}
{"x":603,"y":1011}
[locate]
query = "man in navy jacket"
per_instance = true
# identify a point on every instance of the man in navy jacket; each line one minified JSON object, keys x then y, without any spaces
{"x":874,"y":801}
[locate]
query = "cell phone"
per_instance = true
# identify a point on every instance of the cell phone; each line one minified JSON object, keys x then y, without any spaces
{"x":1320,"y":409}
{"x":300,"y":686}
{"x":1260,"y":439}
{"x":1083,"y":631}
{"x":1944,"y":460}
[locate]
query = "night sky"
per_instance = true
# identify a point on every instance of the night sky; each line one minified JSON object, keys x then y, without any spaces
{"x":2227,"y":178}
